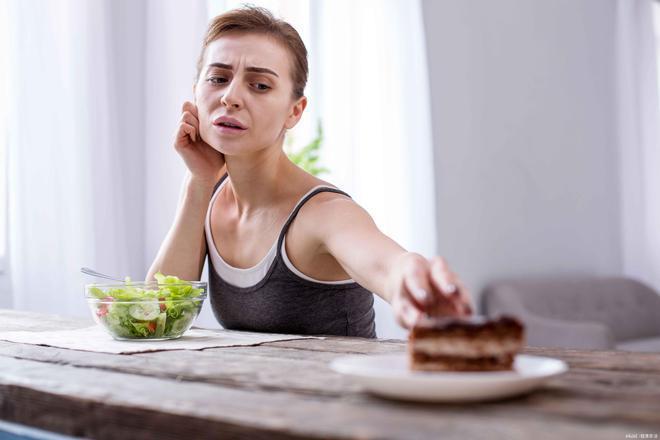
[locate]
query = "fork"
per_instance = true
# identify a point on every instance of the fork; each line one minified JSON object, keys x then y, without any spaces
{"x":93,"y":273}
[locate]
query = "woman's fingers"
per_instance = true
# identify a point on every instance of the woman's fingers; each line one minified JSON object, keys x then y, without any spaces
{"x":406,"y":313}
{"x":443,"y":274}
{"x":444,"y":305}
{"x":416,"y":286}
{"x":449,"y":286}
{"x":189,"y":107}
{"x":429,"y":286}
{"x":188,"y":130}
{"x":189,"y":118}
{"x":468,"y":307}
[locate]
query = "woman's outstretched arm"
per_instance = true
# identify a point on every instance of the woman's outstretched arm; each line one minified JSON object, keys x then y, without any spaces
{"x":411,"y":283}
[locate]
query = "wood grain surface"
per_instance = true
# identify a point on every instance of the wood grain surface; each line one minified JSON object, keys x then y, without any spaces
{"x":287,"y":390}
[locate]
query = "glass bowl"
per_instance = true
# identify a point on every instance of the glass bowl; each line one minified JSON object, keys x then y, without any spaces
{"x":139,"y":311}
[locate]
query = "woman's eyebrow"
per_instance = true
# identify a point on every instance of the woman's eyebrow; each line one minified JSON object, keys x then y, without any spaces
{"x":248,"y":69}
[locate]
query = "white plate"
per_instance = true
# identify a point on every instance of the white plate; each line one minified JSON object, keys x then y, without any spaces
{"x":389,"y":375}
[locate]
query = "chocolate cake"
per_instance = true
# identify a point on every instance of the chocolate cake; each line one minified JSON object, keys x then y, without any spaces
{"x":474,"y":343}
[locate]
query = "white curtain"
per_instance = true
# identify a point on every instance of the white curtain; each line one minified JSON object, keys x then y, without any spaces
{"x":639,"y":140}
{"x":369,"y":60}
{"x":68,"y":163}
{"x":92,"y":81}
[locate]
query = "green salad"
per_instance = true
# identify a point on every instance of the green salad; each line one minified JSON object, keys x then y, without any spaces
{"x":165,"y":309}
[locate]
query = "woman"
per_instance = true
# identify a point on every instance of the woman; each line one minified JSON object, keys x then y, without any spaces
{"x":287,"y":252}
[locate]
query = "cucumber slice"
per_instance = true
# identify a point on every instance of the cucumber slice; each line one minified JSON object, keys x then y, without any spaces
{"x":145,"y":311}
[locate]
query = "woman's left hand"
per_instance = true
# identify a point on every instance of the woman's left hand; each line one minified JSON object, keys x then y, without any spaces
{"x":428,"y":286}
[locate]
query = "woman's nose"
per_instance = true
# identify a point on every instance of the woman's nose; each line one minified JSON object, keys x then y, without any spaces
{"x":231,"y":97}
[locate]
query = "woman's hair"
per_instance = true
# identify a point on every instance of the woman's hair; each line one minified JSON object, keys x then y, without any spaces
{"x":252,"y":19}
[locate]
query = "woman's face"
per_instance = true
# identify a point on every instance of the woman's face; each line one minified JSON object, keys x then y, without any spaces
{"x":246,"y":77}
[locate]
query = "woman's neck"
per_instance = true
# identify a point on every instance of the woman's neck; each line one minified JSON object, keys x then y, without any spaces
{"x":257,"y":180}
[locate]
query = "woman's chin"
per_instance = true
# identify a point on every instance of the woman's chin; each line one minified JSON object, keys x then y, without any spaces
{"x":233,"y":148}
{"x":224,"y":146}
{"x":229,"y":150}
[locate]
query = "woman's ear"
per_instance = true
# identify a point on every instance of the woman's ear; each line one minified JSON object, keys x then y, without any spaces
{"x":296,"y":112}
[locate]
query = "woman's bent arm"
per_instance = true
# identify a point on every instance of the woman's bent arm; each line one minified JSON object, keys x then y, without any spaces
{"x":184,"y":248}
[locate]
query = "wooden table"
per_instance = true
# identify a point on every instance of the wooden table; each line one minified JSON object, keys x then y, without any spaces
{"x":286,"y":390}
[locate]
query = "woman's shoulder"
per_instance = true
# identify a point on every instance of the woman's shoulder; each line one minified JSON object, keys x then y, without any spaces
{"x":324,"y":202}
{"x":313,"y":181}
{"x":320,"y":184}
{"x":327,"y":214}
{"x":321,"y":199}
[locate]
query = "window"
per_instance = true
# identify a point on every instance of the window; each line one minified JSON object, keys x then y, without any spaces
{"x":4,"y":89}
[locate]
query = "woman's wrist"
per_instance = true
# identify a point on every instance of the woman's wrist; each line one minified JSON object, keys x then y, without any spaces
{"x":397,"y":272}
{"x":201,"y":183}
{"x":197,"y":188}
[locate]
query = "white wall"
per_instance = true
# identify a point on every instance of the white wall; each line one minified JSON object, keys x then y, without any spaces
{"x":523,"y":125}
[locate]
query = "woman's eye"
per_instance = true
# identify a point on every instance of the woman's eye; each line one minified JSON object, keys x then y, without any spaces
{"x":217,"y":80}
{"x":261,"y":86}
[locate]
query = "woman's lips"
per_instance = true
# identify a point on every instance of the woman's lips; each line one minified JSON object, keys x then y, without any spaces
{"x":223,"y":129}
{"x":226,"y":120}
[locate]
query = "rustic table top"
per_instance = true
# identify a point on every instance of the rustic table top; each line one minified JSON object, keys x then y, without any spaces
{"x":287,"y":390}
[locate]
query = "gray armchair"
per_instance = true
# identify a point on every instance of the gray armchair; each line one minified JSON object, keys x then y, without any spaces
{"x":588,"y":313}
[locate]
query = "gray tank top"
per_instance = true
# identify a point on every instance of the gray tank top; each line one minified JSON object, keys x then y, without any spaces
{"x":284,"y":302}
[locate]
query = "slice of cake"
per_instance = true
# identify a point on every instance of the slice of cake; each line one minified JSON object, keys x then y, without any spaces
{"x":474,"y":343}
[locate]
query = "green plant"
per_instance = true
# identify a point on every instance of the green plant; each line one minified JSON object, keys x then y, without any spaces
{"x":307,"y":157}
